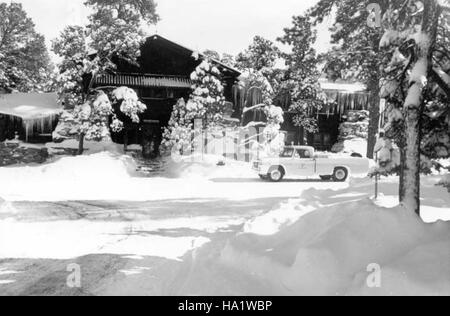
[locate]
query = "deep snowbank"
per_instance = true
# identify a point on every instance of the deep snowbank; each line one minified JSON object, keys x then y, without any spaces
{"x":328,"y":251}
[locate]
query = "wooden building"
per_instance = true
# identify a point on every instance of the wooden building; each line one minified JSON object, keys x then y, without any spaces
{"x":161,"y":77}
{"x":342,"y":97}
{"x":30,"y":116}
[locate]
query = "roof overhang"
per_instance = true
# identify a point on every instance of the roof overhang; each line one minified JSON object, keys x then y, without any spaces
{"x":143,"y":81}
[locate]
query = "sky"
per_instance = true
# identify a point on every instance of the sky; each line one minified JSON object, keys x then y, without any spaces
{"x":227,"y":26}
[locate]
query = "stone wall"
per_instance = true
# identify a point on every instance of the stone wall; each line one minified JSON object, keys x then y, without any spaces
{"x":14,"y":152}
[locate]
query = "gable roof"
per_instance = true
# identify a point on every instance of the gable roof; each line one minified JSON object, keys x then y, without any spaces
{"x":191,"y":52}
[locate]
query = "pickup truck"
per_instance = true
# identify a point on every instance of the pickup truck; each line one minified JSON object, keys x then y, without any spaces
{"x":303,"y":161}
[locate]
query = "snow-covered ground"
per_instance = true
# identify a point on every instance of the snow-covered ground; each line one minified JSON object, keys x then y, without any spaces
{"x":174,"y":233}
{"x":110,"y":176}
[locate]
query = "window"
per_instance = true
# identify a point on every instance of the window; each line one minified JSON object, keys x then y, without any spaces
{"x":287,"y":153}
{"x":304,"y":154}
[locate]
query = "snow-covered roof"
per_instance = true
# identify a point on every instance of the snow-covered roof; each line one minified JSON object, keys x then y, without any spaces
{"x":343,"y":87}
{"x":29,"y":105}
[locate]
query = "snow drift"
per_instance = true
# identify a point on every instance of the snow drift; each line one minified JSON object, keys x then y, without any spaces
{"x":324,"y":244}
{"x":327,"y":252}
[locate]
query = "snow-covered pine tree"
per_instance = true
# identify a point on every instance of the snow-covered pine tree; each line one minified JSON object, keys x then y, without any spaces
{"x":72,"y":47}
{"x":355,"y":56}
{"x":24,"y":60}
{"x":302,"y":75}
{"x":114,"y":31}
{"x":206,"y":103}
{"x":410,"y":70}
{"x":177,"y":137}
{"x":261,"y":57}
{"x":207,"y":100}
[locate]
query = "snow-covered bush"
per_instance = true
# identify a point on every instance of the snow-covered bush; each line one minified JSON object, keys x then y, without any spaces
{"x":206,"y":103}
{"x":91,"y":119}
{"x":129,"y":103}
{"x":177,"y":136}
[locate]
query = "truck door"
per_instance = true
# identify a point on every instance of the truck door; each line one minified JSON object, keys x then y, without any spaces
{"x":306,"y":163}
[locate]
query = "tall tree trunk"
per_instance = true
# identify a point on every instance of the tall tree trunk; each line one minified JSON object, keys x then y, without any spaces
{"x":402,"y":167}
{"x":414,"y":102}
{"x":81,"y":144}
{"x":374,"y":103}
{"x":412,"y":162}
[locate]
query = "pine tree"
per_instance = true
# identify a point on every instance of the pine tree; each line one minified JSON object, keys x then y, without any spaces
{"x":207,"y":100}
{"x":355,"y":56}
{"x":24,"y":61}
{"x":260,"y":55}
{"x":206,"y":103}
{"x":301,"y":79}
{"x":414,"y":82}
{"x":177,"y":136}
{"x":261,"y":58}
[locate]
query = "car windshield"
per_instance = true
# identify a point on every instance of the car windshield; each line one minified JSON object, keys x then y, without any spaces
{"x":287,"y":153}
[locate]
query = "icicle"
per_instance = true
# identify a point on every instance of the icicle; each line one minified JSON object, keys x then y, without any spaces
{"x":27,"y":127}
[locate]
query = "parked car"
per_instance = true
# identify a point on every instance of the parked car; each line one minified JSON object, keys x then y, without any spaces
{"x":303,"y":161}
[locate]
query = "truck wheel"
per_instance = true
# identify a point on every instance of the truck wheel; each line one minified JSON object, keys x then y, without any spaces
{"x":276,"y":174}
{"x":340,"y":174}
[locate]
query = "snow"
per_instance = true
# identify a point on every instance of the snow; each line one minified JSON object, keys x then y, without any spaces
{"x":347,"y":87}
{"x":414,"y":96}
{"x":327,"y":251}
{"x":112,"y":176}
{"x":389,"y":37}
{"x":92,"y":147}
{"x":443,"y":75}
{"x":29,"y":106}
{"x":72,"y":239}
{"x":356,"y":145}
{"x":319,"y":240}
{"x":419,"y":72}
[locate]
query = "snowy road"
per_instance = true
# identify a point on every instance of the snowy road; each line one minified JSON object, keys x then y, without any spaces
{"x":174,"y":234}
{"x":115,"y":242}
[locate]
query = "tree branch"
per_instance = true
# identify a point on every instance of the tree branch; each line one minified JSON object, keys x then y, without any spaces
{"x":441,"y":82}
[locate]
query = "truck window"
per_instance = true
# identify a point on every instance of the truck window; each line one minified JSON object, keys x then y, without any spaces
{"x":287,"y":153}
{"x":304,"y":153}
